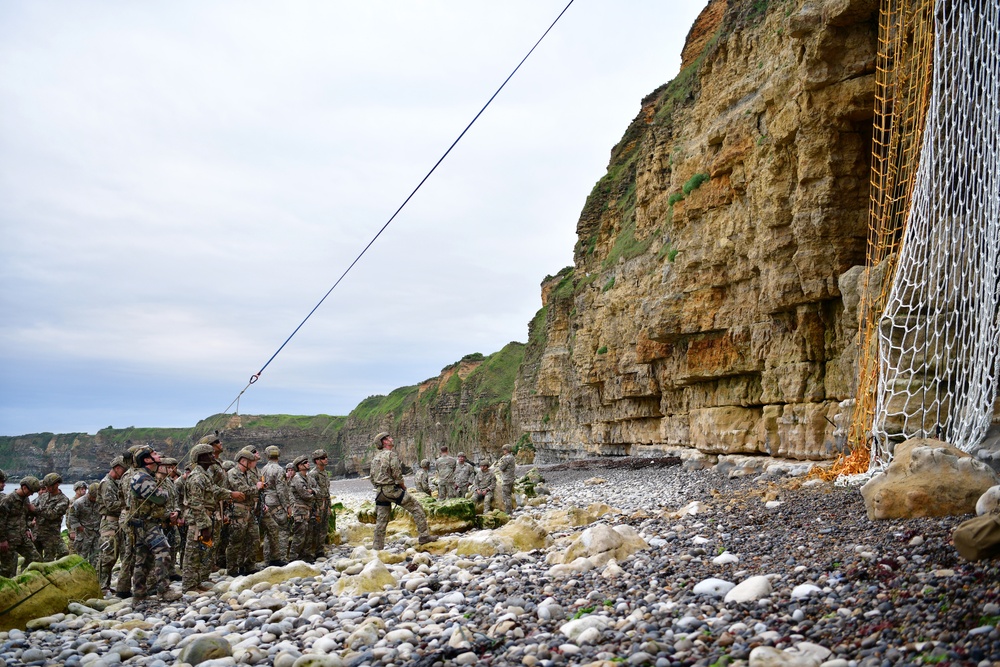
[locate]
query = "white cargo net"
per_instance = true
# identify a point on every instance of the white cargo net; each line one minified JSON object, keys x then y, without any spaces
{"x":939,"y":336}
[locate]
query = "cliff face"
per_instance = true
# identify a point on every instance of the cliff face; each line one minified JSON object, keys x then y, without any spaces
{"x":703,"y":308}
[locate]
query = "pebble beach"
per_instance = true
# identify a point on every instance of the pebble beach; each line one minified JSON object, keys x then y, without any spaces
{"x":745,"y":571}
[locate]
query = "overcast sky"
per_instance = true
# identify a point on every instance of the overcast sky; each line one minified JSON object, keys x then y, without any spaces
{"x":181,"y":182}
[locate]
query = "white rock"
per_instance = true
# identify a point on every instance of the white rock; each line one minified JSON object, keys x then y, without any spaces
{"x":768,"y":656}
{"x":726,"y":558}
{"x":573,"y":629}
{"x":989,"y":502}
{"x":461,"y":638}
{"x":805,"y":590}
{"x":467,"y":658}
{"x":453,"y":598}
{"x":714,"y":587}
{"x":612,"y":570}
{"x":399,"y":636}
{"x":750,"y":590}
{"x":589,"y":636}
{"x":772,"y":504}
{"x":318,"y":660}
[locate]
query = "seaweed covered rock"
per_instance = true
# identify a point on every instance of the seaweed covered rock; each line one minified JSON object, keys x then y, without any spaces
{"x":454,"y":515}
{"x":526,"y":484}
{"x":45,"y":589}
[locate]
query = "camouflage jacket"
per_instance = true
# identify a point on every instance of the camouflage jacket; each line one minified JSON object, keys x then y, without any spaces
{"x":51,"y":509}
{"x":201,"y":498}
{"x":445,"y":466}
{"x":110,"y":501}
{"x":423,"y":481}
{"x":464,"y":474}
{"x":386,"y":469}
{"x":83,"y":513}
{"x":321,"y":482}
{"x":303,"y":493}
{"x":276,"y":487}
{"x":485,"y":480}
{"x":246,"y":483}
{"x":14,"y":518}
{"x":505,"y":466}
{"x":148,"y":497}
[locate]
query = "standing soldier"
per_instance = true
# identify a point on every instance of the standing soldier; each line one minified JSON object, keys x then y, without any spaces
{"x":387,"y":478}
{"x":243,"y":538}
{"x":423,"y":477}
{"x":83,"y":522}
{"x":79,"y":491}
{"x":201,"y":498}
{"x":15,"y":536}
{"x":484,"y":486}
{"x":52,"y":506}
{"x":303,"y":496}
{"x":110,"y":503}
{"x":321,"y":479}
{"x":445,"y":465}
{"x":274,"y":511}
{"x":165,"y":476}
{"x":464,"y":474}
{"x":148,"y":508}
{"x":505,"y":467}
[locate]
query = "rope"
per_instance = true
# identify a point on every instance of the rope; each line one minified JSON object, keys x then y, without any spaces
{"x":256,"y":376}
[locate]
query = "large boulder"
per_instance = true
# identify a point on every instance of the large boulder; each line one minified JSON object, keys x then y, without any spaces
{"x":599,"y":544}
{"x":372,"y":579}
{"x":272,"y":575}
{"x":45,"y":589}
{"x":927,"y":478}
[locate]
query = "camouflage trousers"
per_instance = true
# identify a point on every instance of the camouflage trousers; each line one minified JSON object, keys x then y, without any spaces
{"x":384,"y":511}
{"x":126,"y":553}
{"x":243,"y":541}
{"x":107,"y":545}
{"x":8,"y":559}
{"x":50,"y":544}
{"x":446,"y":490}
{"x":484,"y":497}
{"x":85,"y":545}
{"x":198,"y":559}
{"x":152,"y":557}
{"x":274,"y":532}
{"x":507,"y":496}
{"x":316,"y":538}
{"x":298,"y":529}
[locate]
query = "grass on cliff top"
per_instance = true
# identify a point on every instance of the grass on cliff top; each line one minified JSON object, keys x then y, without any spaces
{"x":380,"y":405}
{"x":318,"y":423}
{"x":493,"y":381}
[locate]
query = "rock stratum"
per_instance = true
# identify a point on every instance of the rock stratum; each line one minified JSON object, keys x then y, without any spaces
{"x":712,"y":300}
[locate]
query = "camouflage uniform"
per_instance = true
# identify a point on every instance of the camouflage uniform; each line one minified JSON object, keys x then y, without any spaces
{"x":274,"y":521}
{"x":321,"y":526}
{"x":201,"y":498}
{"x":51,"y":508}
{"x":169,"y":529}
{"x":505,"y":467}
{"x":387,"y":478}
{"x":15,"y":513}
{"x":445,"y":466}
{"x":152,"y":551}
{"x":484,"y":488}
{"x":243,"y":537}
{"x":83,"y":521}
{"x":465,"y":472}
{"x":422,"y":480}
{"x":110,"y":503}
{"x":220,"y":536}
{"x":303,"y":494}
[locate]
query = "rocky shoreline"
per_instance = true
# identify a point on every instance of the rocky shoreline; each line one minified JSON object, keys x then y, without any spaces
{"x":818,"y":583}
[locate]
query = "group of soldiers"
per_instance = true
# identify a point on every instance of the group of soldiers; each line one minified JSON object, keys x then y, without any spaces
{"x":458,"y":478}
{"x":154,"y":519}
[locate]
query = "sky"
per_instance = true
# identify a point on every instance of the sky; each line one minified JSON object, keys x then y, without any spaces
{"x":180,"y":183}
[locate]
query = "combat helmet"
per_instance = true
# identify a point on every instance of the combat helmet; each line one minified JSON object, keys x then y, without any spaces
{"x":229,"y":465}
{"x":299,"y":460}
{"x":460,"y":455}
{"x":118,"y":462}
{"x":290,"y":465}
{"x":425,"y":463}
{"x":272,"y":451}
{"x":168,"y":462}
{"x":32,"y":483}
{"x":319,"y":454}
{"x":379,"y":438}
{"x":93,"y":488}
{"x":244,"y":453}
{"x":80,"y":485}
{"x":139,"y":455}
{"x":209,"y":439}
{"x":51,"y":479}
{"x":200,"y":449}
{"x":3,"y":475}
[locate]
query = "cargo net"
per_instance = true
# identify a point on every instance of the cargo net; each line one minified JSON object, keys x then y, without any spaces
{"x":930,"y":336}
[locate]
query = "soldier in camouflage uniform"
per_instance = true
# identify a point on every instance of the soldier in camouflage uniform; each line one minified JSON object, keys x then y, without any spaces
{"x":445,"y":466}
{"x":303,"y":495}
{"x":464,"y":474}
{"x":321,"y":483}
{"x":274,"y":511}
{"x":201,"y":498}
{"x":126,"y":531}
{"x":51,"y":509}
{"x":387,"y":478}
{"x":505,"y":467}
{"x":110,"y":503}
{"x":16,"y":511}
{"x":423,"y":477}
{"x":83,"y":522}
{"x":149,"y":510}
{"x":165,"y":475}
{"x":243,"y":537}
{"x":79,"y":491}
{"x":484,"y":486}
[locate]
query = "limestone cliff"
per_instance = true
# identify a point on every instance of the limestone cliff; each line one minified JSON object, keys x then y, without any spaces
{"x":703,"y":308}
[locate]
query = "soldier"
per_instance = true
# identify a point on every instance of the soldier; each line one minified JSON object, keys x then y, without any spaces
{"x":484,"y":486}
{"x":445,"y":465}
{"x":303,"y":495}
{"x":165,"y":470}
{"x":52,"y":505}
{"x":126,"y":531}
{"x":387,"y":478}
{"x":83,"y":522}
{"x":274,"y":510}
{"x":243,"y":537}
{"x":110,"y":503}
{"x":148,"y":508}
{"x":464,"y":474}
{"x":15,"y":536}
{"x":321,"y":480}
{"x":505,"y":467}
{"x":423,"y":477}
{"x":201,"y":498}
